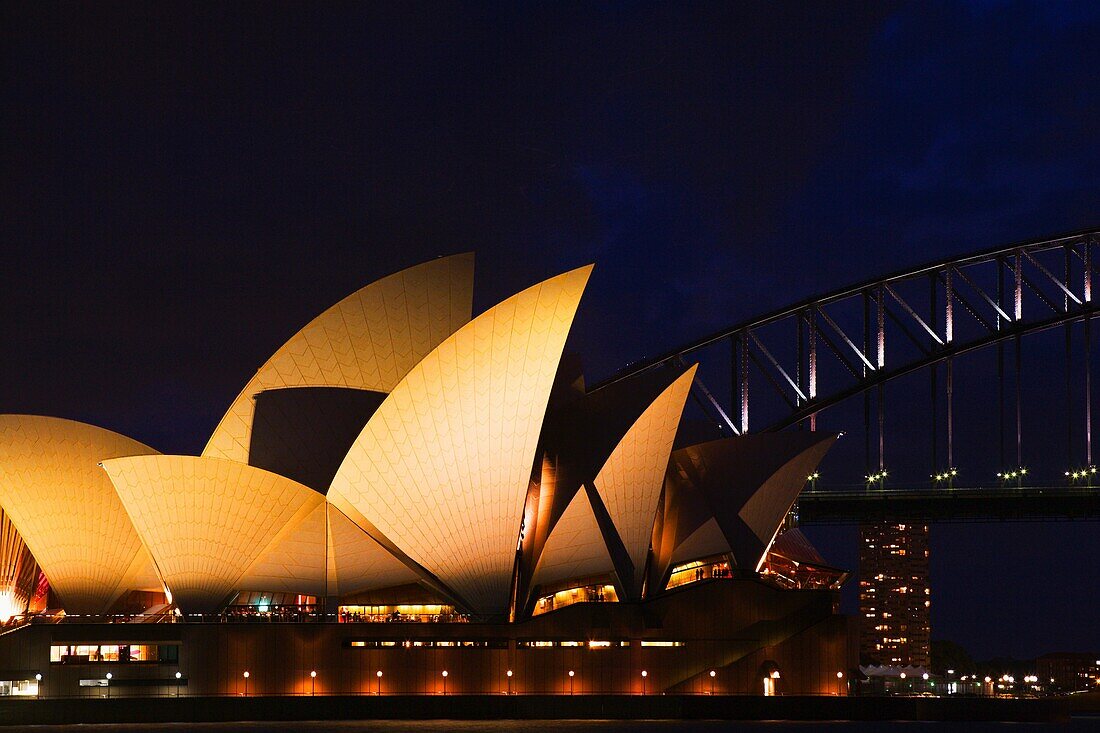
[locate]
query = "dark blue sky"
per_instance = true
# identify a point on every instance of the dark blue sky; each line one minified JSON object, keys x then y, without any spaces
{"x":180,"y":191}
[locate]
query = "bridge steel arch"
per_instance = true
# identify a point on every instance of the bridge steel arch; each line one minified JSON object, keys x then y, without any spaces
{"x":882,"y":329}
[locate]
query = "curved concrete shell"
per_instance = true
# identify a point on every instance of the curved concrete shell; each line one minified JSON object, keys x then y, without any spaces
{"x":749,"y":483}
{"x":326,"y":554}
{"x":369,"y":340}
{"x":579,"y":436}
{"x":68,"y":513}
{"x":357,"y":563}
{"x":206,"y":521}
{"x":706,"y":541}
{"x":296,"y":562}
{"x":442,"y":468}
{"x":630,"y":481}
{"x":575,"y":547}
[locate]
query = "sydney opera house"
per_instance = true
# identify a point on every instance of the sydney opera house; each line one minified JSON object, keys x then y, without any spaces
{"x":406,"y":498}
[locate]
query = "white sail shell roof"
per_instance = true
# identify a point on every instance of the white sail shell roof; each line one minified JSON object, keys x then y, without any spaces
{"x":207,"y":520}
{"x":369,"y":340}
{"x":67,"y":512}
{"x":575,"y":547}
{"x":442,"y":468}
{"x":631,"y":479}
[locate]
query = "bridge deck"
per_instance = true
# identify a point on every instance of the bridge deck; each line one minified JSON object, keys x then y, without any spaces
{"x":977,"y":504}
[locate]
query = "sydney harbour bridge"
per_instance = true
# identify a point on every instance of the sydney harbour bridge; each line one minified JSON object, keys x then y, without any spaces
{"x":964,"y":387}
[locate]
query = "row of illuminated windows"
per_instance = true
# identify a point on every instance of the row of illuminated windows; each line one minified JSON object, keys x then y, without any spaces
{"x":419,"y":643}
{"x":502,"y":643}
{"x":122,"y":653}
{"x":698,"y":570}
{"x":421,"y":612}
{"x":601,"y":593}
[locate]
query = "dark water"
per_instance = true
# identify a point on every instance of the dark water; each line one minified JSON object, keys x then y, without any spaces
{"x":1079,"y":725}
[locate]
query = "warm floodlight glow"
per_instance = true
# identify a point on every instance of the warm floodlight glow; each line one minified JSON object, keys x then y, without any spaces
{"x":9,"y":606}
{"x":225,"y":516}
{"x":67,"y":512}
{"x":775,"y":674}
{"x":633,"y":476}
{"x":575,"y":547}
{"x":369,"y":340}
{"x":457,"y":436}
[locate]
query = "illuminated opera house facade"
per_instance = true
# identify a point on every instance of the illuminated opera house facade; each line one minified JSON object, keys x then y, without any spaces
{"x":407,"y":499}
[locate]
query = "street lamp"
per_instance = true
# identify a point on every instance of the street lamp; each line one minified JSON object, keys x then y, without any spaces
{"x":38,"y":687}
{"x":712,"y":673}
{"x":509,"y":673}
{"x":444,"y":682}
{"x":313,"y":682}
{"x":570,"y":682}
{"x":839,"y":677}
{"x":644,"y":675}
{"x":246,"y":676}
{"x":178,"y":676}
{"x":948,"y":476}
{"x":378,"y":675}
{"x":109,"y":675}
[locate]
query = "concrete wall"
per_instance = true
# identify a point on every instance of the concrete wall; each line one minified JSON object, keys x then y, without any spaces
{"x":733,"y":627}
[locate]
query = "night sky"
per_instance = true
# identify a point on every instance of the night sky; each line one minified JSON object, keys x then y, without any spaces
{"x":181,"y":191}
